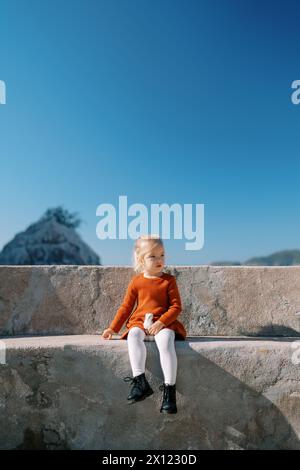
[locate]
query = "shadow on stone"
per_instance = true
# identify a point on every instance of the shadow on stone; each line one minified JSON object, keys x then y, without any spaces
{"x":272,"y":330}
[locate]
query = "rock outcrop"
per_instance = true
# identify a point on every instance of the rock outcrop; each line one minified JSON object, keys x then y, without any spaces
{"x":48,"y":242}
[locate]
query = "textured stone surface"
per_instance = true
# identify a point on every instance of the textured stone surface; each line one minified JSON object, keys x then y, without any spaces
{"x":235,"y":300}
{"x":67,"y":392}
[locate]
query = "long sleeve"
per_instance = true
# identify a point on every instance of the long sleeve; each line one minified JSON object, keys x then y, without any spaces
{"x":175,"y":304}
{"x":126,"y":308}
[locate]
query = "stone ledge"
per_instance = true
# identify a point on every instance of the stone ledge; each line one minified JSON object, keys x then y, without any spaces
{"x":59,"y":392}
{"x":59,"y":341}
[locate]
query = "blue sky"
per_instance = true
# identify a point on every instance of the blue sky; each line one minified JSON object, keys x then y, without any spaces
{"x":162,"y":101}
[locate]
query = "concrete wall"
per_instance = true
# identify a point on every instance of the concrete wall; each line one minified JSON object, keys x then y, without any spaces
{"x":68,"y":393}
{"x":259,"y":301}
{"x":238,"y":379}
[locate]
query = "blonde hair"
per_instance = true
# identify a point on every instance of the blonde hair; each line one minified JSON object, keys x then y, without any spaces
{"x":144,"y":245}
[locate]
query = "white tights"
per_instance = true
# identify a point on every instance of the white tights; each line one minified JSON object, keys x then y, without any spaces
{"x":166,"y":346}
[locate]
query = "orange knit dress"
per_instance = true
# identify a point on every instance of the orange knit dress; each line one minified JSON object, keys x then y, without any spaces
{"x":159,"y":296}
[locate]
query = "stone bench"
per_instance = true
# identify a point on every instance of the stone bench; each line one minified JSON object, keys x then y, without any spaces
{"x":238,"y":381}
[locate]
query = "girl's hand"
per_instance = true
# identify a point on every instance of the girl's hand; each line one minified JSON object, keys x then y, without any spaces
{"x":107,"y":334}
{"x":156,"y":327}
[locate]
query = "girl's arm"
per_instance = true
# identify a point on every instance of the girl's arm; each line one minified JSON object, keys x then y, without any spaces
{"x":126,"y":308}
{"x":175,"y":304}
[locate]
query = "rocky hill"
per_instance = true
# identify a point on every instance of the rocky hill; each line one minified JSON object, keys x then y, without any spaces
{"x":280,"y":258}
{"x":51,"y":240}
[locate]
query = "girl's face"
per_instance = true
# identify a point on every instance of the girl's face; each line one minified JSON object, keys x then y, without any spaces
{"x":154,"y":261}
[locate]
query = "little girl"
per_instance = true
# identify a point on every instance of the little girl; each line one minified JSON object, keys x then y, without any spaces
{"x":155,"y":292}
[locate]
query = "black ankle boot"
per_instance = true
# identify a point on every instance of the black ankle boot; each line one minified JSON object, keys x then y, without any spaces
{"x":140,"y":389}
{"x":169,"y":398}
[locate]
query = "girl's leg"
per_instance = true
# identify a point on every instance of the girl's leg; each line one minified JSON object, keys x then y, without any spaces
{"x":137,"y":350}
{"x":165,"y":341}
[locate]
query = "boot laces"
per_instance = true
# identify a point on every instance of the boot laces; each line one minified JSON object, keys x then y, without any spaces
{"x":134,"y":380}
{"x":169,"y":390}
